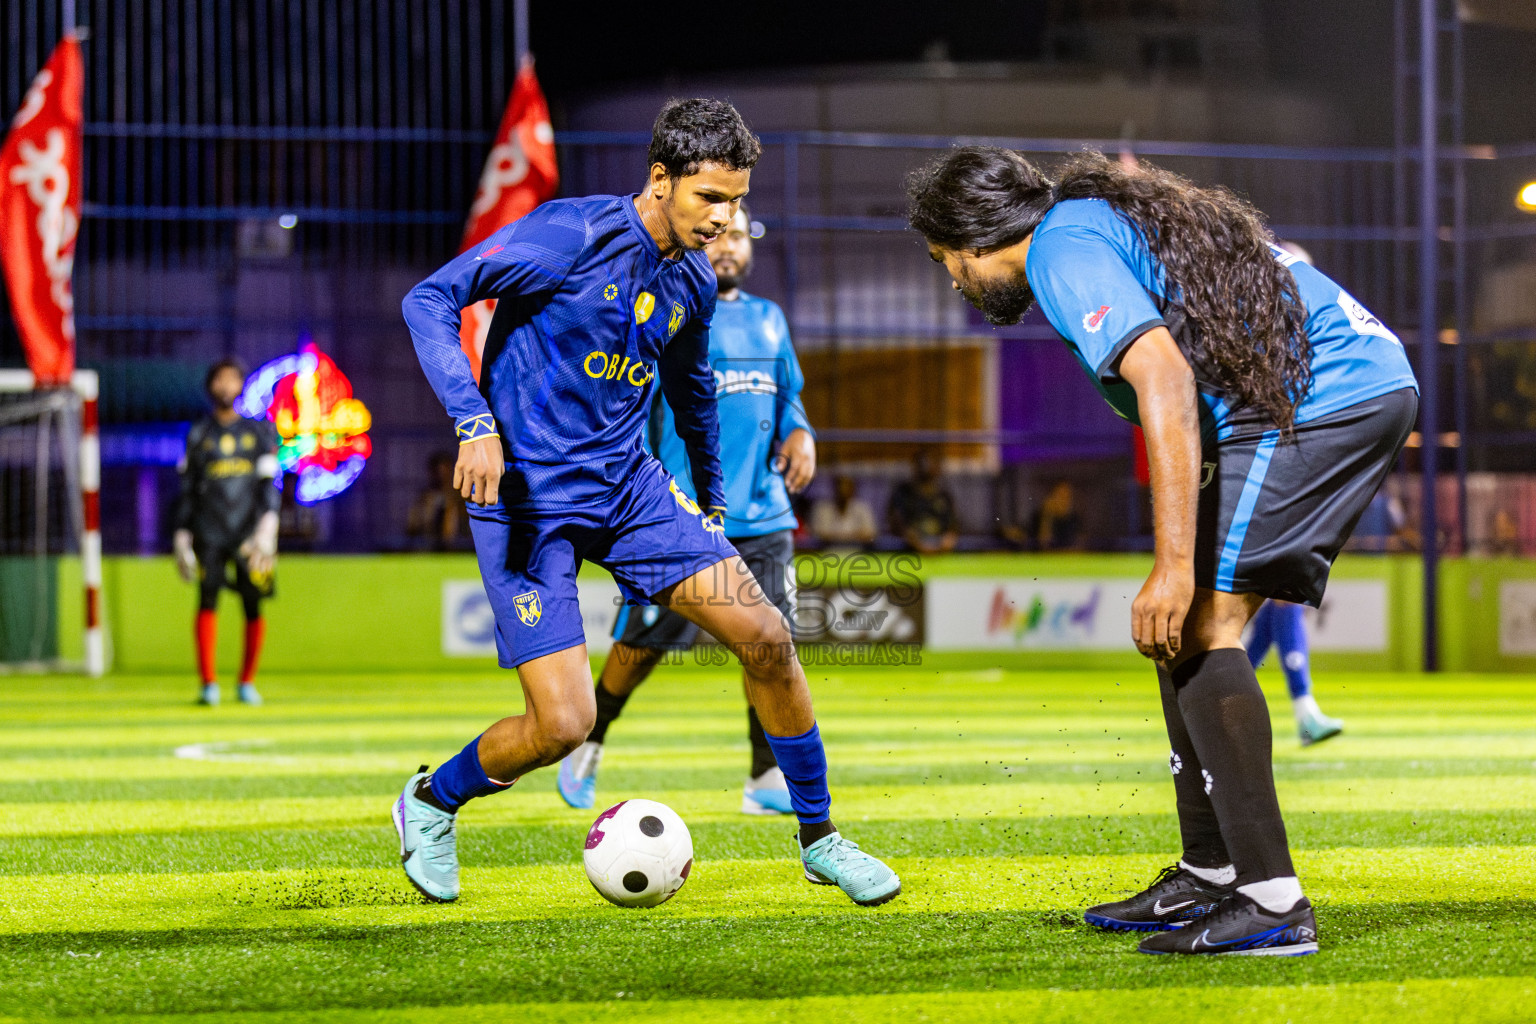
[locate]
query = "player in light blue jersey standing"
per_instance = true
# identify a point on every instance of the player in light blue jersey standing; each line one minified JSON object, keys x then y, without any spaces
{"x":599,"y":297}
{"x":768,"y":452}
{"x":1274,"y":404}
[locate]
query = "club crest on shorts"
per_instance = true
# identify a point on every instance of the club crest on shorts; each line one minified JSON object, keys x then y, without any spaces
{"x":645,"y":305}
{"x":679,"y":314}
{"x":529,"y":608}
{"x":689,"y":505}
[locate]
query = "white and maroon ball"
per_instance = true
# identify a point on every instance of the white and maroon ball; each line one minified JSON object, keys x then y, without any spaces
{"x":638,"y":853}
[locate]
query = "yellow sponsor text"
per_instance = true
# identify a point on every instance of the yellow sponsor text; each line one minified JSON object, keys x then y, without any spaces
{"x":603,"y":365}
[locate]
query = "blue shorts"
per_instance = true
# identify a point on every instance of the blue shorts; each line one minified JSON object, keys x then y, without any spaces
{"x":648,"y":533}
{"x":771,"y":560}
{"x":1274,"y":514}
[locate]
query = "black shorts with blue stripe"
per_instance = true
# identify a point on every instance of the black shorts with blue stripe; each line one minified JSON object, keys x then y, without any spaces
{"x":1275,"y":512}
{"x":771,"y":559}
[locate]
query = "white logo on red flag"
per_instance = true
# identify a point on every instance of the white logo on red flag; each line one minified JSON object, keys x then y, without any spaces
{"x":40,"y":181}
{"x":520,"y":173}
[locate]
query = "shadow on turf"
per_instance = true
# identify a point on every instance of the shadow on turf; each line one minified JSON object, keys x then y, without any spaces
{"x":664,"y":956}
{"x":275,"y":849}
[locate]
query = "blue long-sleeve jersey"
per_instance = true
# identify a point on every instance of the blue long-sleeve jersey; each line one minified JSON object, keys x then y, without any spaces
{"x":757,"y":382}
{"x":589,"y":313}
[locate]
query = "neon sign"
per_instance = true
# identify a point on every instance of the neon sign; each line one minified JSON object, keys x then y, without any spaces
{"x":324,"y":430}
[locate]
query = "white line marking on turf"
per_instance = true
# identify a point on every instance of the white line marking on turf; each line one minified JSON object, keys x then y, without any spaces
{"x":229,"y":750}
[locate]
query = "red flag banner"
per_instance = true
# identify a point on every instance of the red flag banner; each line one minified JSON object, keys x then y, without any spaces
{"x":519,"y":174}
{"x":40,"y":184}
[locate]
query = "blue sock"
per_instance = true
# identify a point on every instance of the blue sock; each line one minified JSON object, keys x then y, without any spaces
{"x":460,"y":779}
{"x":1291,"y":638}
{"x":1262,"y":635}
{"x":803,"y":761}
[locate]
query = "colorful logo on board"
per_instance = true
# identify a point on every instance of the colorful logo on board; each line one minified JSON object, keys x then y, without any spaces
{"x":323,"y":428}
{"x":1042,"y":616}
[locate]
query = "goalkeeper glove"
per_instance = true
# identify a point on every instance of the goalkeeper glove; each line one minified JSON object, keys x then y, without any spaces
{"x":260,"y":550}
{"x":186,"y":559}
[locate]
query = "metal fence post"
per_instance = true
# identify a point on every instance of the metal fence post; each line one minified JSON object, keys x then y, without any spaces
{"x":1429,"y":340}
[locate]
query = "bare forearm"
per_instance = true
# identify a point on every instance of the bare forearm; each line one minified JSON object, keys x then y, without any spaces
{"x":1172,"y":426}
{"x":1165,"y":396}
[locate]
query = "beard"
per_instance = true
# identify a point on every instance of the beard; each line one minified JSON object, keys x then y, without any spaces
{"x":726,"y":280}
{"x":675,"y":239}
{"x":1001,"y":304}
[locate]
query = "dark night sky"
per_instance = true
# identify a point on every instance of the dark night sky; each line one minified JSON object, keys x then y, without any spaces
{"x":1341,"y":49}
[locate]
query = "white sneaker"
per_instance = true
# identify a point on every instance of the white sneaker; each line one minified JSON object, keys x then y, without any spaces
{"x":766,"y":794}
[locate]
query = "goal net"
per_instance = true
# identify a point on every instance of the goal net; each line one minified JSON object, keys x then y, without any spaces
{"x":50,"y":470}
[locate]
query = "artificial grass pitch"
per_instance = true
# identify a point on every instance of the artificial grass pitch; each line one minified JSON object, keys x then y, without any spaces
{"x":160,"y":861}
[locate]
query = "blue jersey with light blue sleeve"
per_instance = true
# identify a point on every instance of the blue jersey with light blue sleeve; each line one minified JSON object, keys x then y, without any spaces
{"x":1097,"y":284}
{"x":589,"y":313}
{"x":757,"y":384}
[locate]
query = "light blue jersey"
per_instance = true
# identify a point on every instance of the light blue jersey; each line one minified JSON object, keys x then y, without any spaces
{"x":1097,"y":284}
{"x":757,"y":389}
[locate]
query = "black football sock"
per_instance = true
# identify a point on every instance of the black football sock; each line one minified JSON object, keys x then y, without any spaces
{"x":814,"y":831}
{"x":608,"y":708}
{"x":1203,"y":846}
{"x":1228,"y":722}
{"x":762,"y":753}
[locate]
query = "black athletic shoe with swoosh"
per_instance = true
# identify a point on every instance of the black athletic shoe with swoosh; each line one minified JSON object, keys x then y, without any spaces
{"x":1241,"y":927}
{"x":1175,"y":898}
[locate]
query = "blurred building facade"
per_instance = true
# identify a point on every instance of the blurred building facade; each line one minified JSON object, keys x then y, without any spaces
{"x":258,"y":174}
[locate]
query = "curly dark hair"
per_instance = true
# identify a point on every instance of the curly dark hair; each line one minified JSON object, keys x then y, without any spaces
{"x":1248,"y":324}
{"x":227,"y":363}
{"x":690,"y":133}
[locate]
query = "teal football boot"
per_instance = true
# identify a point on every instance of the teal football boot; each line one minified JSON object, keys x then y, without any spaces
{"x":766,"y":794}
{"x":833,"y":860}
{"x":1318,"y":727}
{"x":249,"y":695}
{"x":208,"y":696}
{"x":429,"y":849}
{"x":577,"y":779}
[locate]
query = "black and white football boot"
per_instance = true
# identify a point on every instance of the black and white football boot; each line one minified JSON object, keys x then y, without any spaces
{"x":1240,"y":927}
{"x":1175,"y":898}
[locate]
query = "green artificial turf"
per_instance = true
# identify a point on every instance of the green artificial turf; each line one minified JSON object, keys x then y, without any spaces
{"x":165,"y":862}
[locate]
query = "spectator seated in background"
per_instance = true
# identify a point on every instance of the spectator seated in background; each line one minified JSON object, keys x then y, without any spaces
{"x":297,"y":525}
{"x":922,"y":512}
{"x":1384,"y":524}
{"x":1055,"y":525}
{"x":1504,"y":537}
{"x":1010,"y":505}
{"x":437,"y":515}
{"x":845,"y":518}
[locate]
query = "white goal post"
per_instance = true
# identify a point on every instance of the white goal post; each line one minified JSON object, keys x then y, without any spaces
{"x":74,"y":411}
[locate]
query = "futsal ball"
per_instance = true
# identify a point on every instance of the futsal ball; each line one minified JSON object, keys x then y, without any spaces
{"x":638,"y":853}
